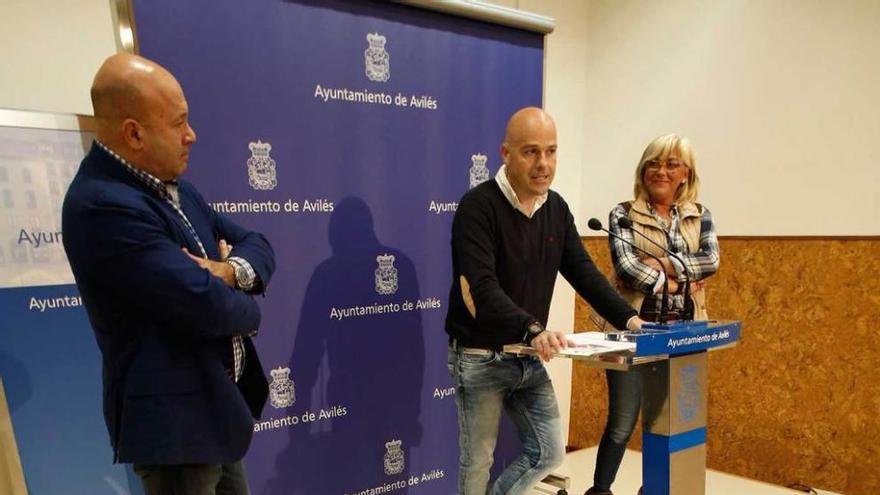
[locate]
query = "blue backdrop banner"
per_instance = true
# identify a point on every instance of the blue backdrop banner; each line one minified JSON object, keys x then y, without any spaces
{"x":346,"y":132}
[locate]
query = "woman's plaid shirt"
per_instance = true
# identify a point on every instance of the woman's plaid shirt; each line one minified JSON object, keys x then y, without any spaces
{"x":641,"y":277}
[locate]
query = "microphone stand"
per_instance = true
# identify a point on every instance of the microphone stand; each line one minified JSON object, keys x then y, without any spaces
{"x":688,"y":315}
{"x":663,"y":317}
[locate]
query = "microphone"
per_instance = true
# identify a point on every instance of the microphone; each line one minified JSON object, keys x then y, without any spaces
{"x":595,"y":224}
{"x":626,"y":223}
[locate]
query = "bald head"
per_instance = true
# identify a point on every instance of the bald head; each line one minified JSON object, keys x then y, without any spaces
{"x":142,"y":114}
{"x":122,"y":85}
{"x":526,"y":123}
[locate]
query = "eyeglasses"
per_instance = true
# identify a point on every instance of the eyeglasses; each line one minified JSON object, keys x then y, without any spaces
{"x":671,"y":165}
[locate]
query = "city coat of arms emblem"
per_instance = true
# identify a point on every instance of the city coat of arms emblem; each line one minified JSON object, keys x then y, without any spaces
{"x":479,"y":173}
{"x":394,"y":462}
{"x":378,"y":62}
{"x":282,"y":392}
{"x":261,"y":167}
{"x":688,"y":394}
{"x":386,"y":275}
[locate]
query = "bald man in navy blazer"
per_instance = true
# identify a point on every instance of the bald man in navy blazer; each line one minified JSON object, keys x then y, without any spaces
{"x":169,"y":287}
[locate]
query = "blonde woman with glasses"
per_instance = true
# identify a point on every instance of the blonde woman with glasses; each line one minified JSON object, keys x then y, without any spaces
{"x":665,"y":210}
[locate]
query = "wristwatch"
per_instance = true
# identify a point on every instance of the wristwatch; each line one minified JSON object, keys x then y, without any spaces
{"x":533,"y":330}
{"x":240,"y":273}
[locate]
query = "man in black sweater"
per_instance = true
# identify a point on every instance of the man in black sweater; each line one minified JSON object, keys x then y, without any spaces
{"x":510,"y":237}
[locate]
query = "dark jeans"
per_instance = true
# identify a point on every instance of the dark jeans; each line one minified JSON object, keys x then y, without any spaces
{"x":486,"y":384}
{"x":193,"y":479}
{"x":624,"y":402}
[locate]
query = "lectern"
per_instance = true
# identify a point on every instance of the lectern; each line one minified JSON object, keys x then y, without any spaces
{"x":672,"y":358}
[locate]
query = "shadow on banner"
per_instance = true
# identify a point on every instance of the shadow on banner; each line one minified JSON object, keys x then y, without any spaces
{"x":367,"y":372}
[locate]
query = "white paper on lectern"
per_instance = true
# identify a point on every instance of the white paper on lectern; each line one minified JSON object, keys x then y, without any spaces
{"x":592,"y":343}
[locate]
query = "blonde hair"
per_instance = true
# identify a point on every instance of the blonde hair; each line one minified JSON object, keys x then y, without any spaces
{"x":661,"y":149}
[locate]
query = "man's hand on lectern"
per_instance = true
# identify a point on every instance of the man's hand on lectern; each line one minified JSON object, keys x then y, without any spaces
{"x":548,"y":343}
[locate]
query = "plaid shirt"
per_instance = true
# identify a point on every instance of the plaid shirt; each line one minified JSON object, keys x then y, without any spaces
{"x":641,"y":277}
{"x":168,"y":192}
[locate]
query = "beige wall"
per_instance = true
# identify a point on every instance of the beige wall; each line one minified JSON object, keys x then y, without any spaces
{"x":780,"y":98}
{"x":50,"y":50}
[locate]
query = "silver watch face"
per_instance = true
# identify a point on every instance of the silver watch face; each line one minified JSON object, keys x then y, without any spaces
{"x":535,"y":330}
{"x":240,"y":273}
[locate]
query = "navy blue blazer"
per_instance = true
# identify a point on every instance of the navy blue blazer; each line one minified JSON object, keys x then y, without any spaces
{"x":163,"y":324}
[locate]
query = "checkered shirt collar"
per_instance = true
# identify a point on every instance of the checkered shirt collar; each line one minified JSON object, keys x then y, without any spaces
{"x":146,"y":178}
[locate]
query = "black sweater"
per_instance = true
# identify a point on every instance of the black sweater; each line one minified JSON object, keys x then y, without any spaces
{"x":510,"y":262}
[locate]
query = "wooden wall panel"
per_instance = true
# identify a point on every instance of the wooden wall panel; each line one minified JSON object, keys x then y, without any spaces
{"x":798,"y":401}
{"x":11,"y":473}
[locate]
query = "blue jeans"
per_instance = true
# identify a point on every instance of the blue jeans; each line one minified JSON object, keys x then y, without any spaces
{"x":624,"y":402}
{"x":485,"y":382}
{"x":193,"y":479}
